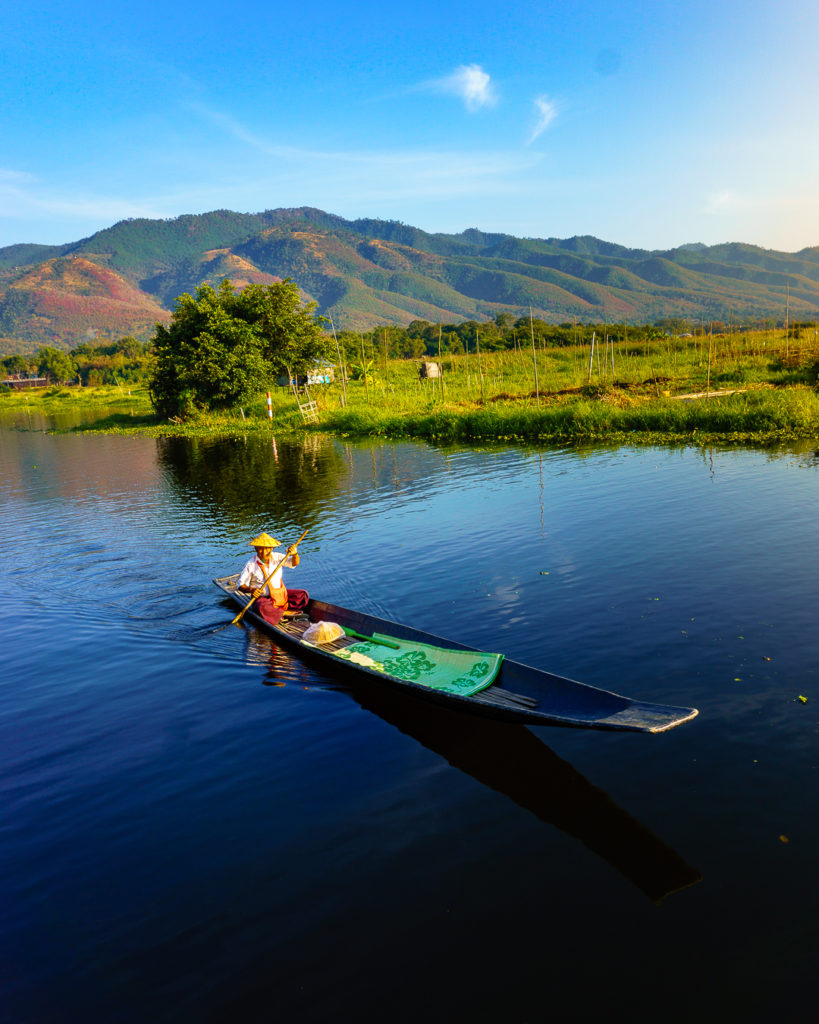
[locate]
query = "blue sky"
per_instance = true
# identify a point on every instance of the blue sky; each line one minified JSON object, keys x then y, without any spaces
{"x":650,"y":125}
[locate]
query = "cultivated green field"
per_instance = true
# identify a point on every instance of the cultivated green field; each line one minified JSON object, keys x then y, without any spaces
{"x":753,"y":386}
{"x":746,"y":386}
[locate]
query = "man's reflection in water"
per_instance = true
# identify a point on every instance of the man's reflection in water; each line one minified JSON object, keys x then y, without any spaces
{"x":282,"y":667}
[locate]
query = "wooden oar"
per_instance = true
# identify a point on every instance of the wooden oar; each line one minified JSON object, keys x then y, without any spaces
{"x":270,"y":576}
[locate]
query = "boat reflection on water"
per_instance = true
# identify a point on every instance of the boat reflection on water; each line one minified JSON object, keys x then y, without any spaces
{"x":282,"y":667}
{"x":512,"y":760}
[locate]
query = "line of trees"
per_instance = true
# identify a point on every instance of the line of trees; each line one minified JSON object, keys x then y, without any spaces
{"x":123,"y":361}
{"x":423,"y":338}
{"x":222,"y":346}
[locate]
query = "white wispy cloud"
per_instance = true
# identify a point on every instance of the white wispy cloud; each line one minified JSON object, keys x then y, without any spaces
{"x":9,"y":177}
{"x":469,"y":83}
{"x":22,"y":194}
{"x":761,"y":201}
{"x":338,"y":177}
{"x":377,"y":173}
{"x":545,"y":112}
{"x":233,"y":127}
{"x":343,"y":181}
{"x":258,"y":171}
{"x":726,"y":201}
{"x":788,"y":222}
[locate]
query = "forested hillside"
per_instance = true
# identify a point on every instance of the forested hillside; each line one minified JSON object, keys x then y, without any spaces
{"x":123,"y":280}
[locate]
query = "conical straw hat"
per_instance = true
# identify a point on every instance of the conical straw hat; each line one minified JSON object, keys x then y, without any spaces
{"x":264,"y":540}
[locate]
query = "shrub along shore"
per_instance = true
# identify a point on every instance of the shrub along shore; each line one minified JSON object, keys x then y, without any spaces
{"x":746,"y":389}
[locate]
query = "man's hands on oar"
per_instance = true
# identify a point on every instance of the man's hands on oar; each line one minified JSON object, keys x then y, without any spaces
{"x":291,"y":550}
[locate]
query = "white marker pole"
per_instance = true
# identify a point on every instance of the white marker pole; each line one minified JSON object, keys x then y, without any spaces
{"x":269,"y":406}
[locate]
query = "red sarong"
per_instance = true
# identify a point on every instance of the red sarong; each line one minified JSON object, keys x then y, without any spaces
{"x":272,"y":613}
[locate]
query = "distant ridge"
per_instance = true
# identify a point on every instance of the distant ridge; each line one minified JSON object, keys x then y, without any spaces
{"x":123,"y":279}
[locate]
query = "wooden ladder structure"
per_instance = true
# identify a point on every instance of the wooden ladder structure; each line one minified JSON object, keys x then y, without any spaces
{"x":307,"y":405}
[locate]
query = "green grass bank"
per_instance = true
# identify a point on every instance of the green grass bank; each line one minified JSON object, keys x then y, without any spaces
{"x":749,"y":388}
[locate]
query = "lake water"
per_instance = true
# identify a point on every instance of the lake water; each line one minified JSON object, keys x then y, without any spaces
{"x":198,"y":826}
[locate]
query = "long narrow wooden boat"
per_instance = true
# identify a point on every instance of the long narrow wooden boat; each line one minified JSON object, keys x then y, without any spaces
{"x":519,"y":693}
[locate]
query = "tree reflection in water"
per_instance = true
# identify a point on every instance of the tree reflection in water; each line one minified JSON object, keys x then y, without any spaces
{"x":241,"y":479}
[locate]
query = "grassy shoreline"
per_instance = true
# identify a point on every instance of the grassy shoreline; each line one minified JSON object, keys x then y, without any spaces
{"x":752,"y":416}
{"x":668,"y":392}
{"x":745,"y":417}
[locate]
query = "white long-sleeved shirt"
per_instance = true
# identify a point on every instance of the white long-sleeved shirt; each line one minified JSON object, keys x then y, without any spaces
{"x":255,"y":572}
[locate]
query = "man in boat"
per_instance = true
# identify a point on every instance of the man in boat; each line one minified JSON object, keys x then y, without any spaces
{"x":273,"y":600}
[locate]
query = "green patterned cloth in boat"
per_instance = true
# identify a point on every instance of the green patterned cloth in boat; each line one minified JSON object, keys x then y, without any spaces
{"x":459,"y":672}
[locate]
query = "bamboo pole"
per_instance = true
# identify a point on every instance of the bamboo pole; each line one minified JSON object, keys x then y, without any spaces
{"x":534,"y":354}
{"x":440,"y":364}
{"x":341,"y":366}
{"x":787,"y":316}
{"x":480,"y":364}
{"x":517,"y":349}
{"x":364,"y":370}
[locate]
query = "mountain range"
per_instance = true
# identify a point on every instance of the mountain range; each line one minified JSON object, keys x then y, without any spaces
{"x":124,"y":279}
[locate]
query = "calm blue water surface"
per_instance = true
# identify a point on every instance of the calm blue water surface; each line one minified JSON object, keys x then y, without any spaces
{"x":197,"y":826}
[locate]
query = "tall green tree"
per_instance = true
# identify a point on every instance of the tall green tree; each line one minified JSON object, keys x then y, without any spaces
{"x":207,"y":358}
{"x":222,"y":347}
{"x":56,"y":365}
{"x":290,"y":332}
{"x":18,"y":364}
{"x":130,"y":347}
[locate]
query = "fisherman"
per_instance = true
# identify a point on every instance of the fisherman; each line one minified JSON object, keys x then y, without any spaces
{"x":273,"y":600}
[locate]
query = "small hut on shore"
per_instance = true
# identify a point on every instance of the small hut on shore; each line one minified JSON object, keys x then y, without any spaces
{"x":318,"y":373}
{"x":427,"y":371}
{"x":18,"y":382}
